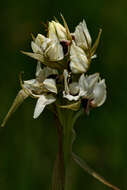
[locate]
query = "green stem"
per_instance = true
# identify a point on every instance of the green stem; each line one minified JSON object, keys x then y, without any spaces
{"x":58,"y":180}
{"x":66,"y":120}
{"x":67,"y":138}
{"x":66,"y":117}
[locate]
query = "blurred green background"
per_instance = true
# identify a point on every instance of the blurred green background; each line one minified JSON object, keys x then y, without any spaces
{"x":28,"y":147}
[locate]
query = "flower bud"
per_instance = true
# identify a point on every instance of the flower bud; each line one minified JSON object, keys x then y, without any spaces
{"x":56,"y":30}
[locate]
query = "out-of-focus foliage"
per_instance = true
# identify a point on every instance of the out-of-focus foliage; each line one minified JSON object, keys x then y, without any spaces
{"x":28,"y":147}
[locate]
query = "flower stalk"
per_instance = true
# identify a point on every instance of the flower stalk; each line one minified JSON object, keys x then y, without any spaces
{"x":66,"y":125}
{"x":58,"y":180}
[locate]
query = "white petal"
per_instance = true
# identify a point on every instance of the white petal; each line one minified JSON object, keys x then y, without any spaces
{"x":35,"y":47}
{"x":55,"y":51}
{"x":52,"y":32}
{"x":99,"y":93}
{"x":46,"y":72}
{"x":61,"y":32}
{"x":33,"y":87}
{"x":81,"y":33}
{"x":70,"y":97}
{"x":29,"y":83}
{"x":92,"y":79}
{"x":46,"y":43}
{"x":79,"y":62}
{"x":50,"y":84}
{"x":94,"y":56}
{"x":85,"y":29}
{"x":42,"y":42}
{"x":87,"y":84}
{"x":41,"y":103}
{"x":39,"y":39}
{"x":83,"y":85}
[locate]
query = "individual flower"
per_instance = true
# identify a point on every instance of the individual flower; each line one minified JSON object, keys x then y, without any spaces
{"x":82,"y":51}
{"x":48,"y":48}
{"x":93,"y":89}
{"x":89,"y":89}
{"x":43,"y":87}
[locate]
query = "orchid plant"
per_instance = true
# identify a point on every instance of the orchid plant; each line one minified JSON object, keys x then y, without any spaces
{"x":61,"y":84}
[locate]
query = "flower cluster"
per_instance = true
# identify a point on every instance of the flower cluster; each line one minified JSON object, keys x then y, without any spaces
{"x":63,"y":59}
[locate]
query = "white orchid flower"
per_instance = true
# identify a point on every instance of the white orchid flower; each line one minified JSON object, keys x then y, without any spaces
{"x":42,"y":101}
{"x":87,"y":83}
{"x":46,"y":48}
{"x":78,"y":59}
{"x":42,"y":82}
{"x":93,"y":89}
{"x":41,"y":87}
{"x":89,"y":87}
{"x":82,"y":36}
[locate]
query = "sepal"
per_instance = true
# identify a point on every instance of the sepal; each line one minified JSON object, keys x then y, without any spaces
{"x":74,"y":106}
{"x":21,"y":96}
{"x":95,"y":45}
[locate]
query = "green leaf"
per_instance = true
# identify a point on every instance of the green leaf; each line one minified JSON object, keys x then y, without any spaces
{"x":86,"y":167}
